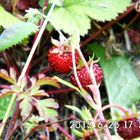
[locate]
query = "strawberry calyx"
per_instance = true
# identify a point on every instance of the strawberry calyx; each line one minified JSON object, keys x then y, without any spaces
{"x":130,"y":116}
{"x":81,"y":64}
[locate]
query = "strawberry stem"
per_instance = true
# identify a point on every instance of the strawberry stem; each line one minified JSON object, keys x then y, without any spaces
{"x":109,"y":106}
{"x":74,"y":68}
{"x":97,"y":134}
{"x":97,"y":93}
{"x":64,"y":132}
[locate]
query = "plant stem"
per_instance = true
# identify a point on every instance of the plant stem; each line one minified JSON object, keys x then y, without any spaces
{"x":106,"y":129}
{"x":62,"y":91}
{"x":92,"y":77}
{"x":86,"y":65}
{"x":74,"y":68}
{"x":7,"y":62}
{"x":45,"y":6}
{"x":45,"y":71}
{"x":65,"y":132}
{"x":109,"y":106}
{"x":100,"y":114}
{"x":96,"y":134}
{"x":13,"y":121}
{"x":98,"y":99}
{"x":18,"y":126}
{"x":26,"y":67}
{"x":43,"y":126}
{"x":36,"y":42}
{"x":36,"y":34}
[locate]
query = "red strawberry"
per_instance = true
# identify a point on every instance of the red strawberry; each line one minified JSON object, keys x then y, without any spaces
{"x":84,"y":77}
{"x":129,"y":128}
{"x":60,"y":59}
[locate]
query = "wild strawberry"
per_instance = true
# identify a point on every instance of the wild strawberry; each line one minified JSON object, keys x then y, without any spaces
{"x":60,"y":59}
{"x":129,"y":128}
{"x":84,"y":77}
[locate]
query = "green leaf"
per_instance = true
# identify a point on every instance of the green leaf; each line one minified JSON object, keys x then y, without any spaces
{"x":73,"y":16}
{"x":84,"y":94}
{"x":4,"y":103}
{"x":137,"y":139}
{"x":75,"y":40}
{"x":15,"y":34}
{"x":7,"y":19}
{"x":74,"y":108}
{"x":57,"y":2}
{"x":32,"y":122}
{"x":30,"y":125}
{"x":77,"y":133}
{"x":122,"y":85}
{"x":70,"y":19}
{"x":103,"y":10}
{"x":41,"y":3}
{"x":86,"y":114}
{"x":48,"y":81}
{"x":25,"y":105}
{"x":67,"y":84}
{"x":46,"y":109}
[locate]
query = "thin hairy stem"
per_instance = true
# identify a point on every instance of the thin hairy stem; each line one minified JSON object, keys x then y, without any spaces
{"x":65,"y":132}
{"x":109,"y":106}
{"x":74,"y":68}
{"x":96,"y":91}
{"x":97,"y":134}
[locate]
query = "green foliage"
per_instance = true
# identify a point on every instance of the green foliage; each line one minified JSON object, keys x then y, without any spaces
{"x":86,"y":116}
{"x":7,"y":19}
{"x":74,"y":16}
{"x":67,"y":84}
{"x":122,"y":85}
{"x":82,"y":92}
{"x":4,"y":102}
{"x":25,"y":105}
{"x":137,"y":139}
{"x":27,"y":94}
{"x":46,"y":109}
{"x":77,"y":133}
{"x":58,"y":2}
{"x":15,"y":34}
{"x":32,"y":122}
{"x":74,"y":108}
{"x":33,"y":15}
{"x":84,"y":113}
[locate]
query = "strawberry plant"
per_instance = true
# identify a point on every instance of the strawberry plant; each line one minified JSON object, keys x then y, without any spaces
{"x":69,"y":69}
